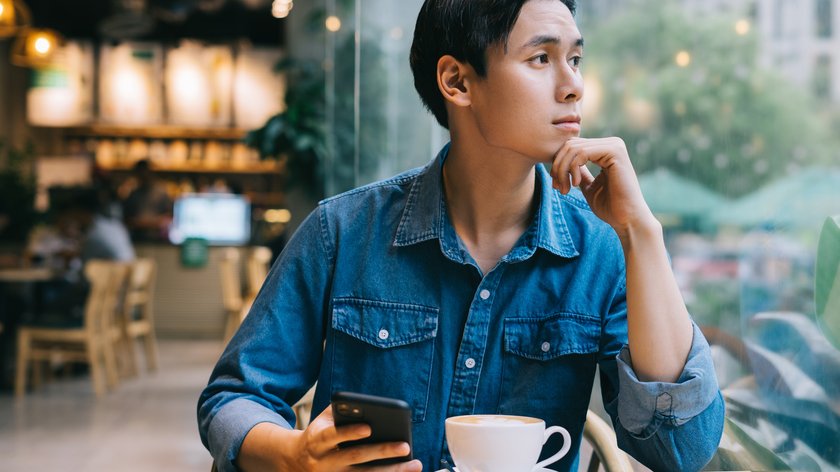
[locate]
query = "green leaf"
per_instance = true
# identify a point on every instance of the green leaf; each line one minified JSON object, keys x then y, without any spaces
{"x":743,"y":452}
{"x":827,"y":290}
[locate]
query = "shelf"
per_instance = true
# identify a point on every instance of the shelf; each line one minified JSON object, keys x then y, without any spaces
{"x":262,"y":167}
{"x":155,"y":132}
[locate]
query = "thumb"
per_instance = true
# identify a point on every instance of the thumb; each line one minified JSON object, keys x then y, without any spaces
{"x":586,"y":178}
{"x":326,"y":415}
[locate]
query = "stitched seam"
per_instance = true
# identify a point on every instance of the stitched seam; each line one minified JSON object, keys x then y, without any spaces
{"x":325,"y":242}
{"x":554,"y":316}
{"x":393,"y":182}
{"x":387,"y":304}
{"x":409,"y":208}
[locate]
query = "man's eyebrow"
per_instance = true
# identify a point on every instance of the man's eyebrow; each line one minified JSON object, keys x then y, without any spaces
{"x":543,"y":39}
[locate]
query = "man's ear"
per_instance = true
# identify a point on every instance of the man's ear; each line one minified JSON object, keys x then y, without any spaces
{"x":453,"y":77}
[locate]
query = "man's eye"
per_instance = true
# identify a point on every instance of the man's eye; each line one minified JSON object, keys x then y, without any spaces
{"x":575,"y":61}
{"x":541,"y":59}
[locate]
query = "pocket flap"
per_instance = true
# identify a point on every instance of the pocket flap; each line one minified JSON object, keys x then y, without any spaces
{"x":384,"y":324}
{"x":547,"y":338}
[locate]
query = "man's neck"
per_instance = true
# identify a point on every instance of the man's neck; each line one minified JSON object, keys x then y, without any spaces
{"x":490,"y":196}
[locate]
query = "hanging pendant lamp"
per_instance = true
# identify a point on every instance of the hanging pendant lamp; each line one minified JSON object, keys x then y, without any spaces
{"x":14,"y":17}
{"x":36,"y":47}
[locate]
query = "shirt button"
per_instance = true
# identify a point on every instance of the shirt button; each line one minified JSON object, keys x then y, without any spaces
{"x":383,"y":334}
{"x":546,"y":346}
{"x":470,"y":363}
{"x":484,"y":294}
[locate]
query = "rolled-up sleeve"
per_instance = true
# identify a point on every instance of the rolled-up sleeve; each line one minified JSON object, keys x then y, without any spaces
{"x":665,"y":426}
{"x":231,"y":424}
{"x":644,"y":406}
{"x":274,"y":357}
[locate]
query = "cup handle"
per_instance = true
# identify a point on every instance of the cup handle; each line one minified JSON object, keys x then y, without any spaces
{"x":567,"y":444}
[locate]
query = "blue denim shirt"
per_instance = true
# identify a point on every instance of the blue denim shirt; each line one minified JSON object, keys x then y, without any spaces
{"x":376,"y":293}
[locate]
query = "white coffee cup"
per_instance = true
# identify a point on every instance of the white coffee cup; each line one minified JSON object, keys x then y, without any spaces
{"x":501,"y":443}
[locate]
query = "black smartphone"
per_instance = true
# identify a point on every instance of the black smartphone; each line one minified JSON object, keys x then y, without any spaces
{"x":389,"y":420}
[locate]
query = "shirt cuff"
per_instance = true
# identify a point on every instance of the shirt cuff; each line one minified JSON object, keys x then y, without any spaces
{"x":644,"y":406}
{"x":230,"y":426}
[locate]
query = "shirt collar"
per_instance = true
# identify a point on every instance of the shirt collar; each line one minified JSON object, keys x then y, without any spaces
{"x":424,"y":216}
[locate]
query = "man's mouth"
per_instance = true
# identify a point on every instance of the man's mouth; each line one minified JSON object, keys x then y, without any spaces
{"x":569,"y":123}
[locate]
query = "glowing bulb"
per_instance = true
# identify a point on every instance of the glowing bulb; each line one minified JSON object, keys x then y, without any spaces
{"x":683,"y":58}
{"x":281,"y":8}
{"x":7,"y":17}
{"x":278,"y":216}
{"x":333,"y":23}
{"x":42,"y":45}
{"x":742,"y":27}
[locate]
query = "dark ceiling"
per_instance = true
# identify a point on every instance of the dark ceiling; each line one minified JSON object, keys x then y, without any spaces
{"x":173,"y":20}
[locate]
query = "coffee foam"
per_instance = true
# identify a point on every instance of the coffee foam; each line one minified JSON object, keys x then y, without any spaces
{"x":495,"y":420}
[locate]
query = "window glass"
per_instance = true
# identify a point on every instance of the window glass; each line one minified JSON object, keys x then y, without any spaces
{"x":822,"y":77}
{"x":377,"y":119}
{"x":739,"y":160}
{"x":823,"y":18}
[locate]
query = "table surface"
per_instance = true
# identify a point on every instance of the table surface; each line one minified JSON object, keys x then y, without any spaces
{"x":26,"y":275}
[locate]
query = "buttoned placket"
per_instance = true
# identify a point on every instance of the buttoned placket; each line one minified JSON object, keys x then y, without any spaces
{"x":473,"y":345}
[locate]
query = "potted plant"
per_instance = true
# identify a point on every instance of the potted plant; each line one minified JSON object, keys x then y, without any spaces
{"x":17,"y":194}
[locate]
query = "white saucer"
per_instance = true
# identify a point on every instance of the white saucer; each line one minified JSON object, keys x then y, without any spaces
{"x":535,"y":470}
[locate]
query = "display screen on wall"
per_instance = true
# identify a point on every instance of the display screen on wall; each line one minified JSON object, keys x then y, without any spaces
{"x":221,"y":219}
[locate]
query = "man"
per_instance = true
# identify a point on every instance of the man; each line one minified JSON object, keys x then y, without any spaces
{"x":97,"y":236}
{"x":148,"y":208}
{"x":486,"y":286}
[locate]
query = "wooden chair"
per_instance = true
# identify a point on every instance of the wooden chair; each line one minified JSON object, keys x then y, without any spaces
{"x":303,"y":408}
{"x":91,"y":343}
{"x":605,"y":451}
{"x":230,"y":272}
{"x":137,"y":315}
{"x":257,"y":268}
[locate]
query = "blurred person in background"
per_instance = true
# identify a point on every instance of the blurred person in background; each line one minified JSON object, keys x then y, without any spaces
{"x":91,"y":233}
{"x":148,"y":208}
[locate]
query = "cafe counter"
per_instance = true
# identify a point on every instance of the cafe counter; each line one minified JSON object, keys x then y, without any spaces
{"x":188,"y":301}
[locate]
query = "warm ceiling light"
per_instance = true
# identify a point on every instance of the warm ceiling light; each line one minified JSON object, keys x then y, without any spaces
{"x":35,"y":47}
{"x":14,"y":16}
{"x":281,"y":8}
{"x":683,"y":59}
{"x":333,"y":23}
{"x":742,"y":27}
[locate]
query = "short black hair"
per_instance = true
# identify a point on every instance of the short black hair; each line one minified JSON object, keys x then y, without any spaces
{"x":464,"y":29}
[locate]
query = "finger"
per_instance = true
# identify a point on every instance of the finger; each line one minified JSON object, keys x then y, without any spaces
{"x":566,"y":167}
{"x":586,"y":177}
{"x":557,"y":166}
{"x":575,"y":175}
{"x":326,"y":436}
{"x":411,"y":466}
{"x":369,"y":452}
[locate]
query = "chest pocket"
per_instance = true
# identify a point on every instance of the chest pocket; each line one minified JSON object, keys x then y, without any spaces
{"x":549,"y":338}
{"x":384,"y":348}
{"x":548,"y":364}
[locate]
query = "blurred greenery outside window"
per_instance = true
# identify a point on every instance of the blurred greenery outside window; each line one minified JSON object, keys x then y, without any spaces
{"x":738,"y":158}
{"x":823,"y":17}
{"x":822,"y":77}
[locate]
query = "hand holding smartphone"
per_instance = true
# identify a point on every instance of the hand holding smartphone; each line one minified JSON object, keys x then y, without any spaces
{"x":389,"y":420}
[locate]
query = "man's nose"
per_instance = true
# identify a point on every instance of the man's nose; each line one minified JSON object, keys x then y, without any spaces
{"x":569,"y":85}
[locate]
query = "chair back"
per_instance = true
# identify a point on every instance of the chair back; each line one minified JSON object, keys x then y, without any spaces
{"x":257,"y":268}
{"x":605,"y":450}
{"x":230,"y":271}
{"x":107,"y":280}
{"x":140,"y":287}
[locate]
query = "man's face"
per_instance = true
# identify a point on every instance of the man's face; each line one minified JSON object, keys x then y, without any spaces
{"x":529,"y":101}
